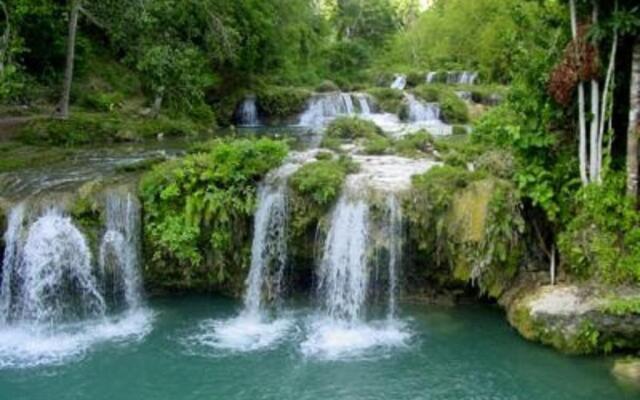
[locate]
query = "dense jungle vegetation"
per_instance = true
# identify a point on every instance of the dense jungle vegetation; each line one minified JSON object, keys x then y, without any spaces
{"x":561,"y":145}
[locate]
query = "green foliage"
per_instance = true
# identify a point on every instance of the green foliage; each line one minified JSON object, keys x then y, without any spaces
{"x":327,"y":86}
{"x":198,"y":211}
{"x":378,"y":145}
{"x":282,"y":102}
{"x":602,"y":240}
{"x":414,"y":145}
{"x":389,"y":100}
{"x":320,"y":181}
{"x":83,"y":128}
{"x":352,"y":128}
{"x":474,"y":226}
{"x":621,"y":306}
{"x":482,"y":35}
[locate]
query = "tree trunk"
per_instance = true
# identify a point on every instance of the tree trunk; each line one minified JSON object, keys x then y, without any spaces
{"x":63,"y":107}
{"x":607,"y":104}
{"x":5,"y":39}
{"x":582,"y":120}
{"x":594,"y":167}
{"x":634,"y":124}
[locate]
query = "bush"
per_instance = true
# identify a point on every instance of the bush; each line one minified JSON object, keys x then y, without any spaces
{"x":602,"y":240}
{"x":415,"y":78}
{"x":378,"y":145}
{"x":102,"y":102}
{"x":320,"y":181}
{"x":388,"y":100}
{"x":327,"y":86}
{"x":282,"y":102}
{"x":352,"y":128}
{"x":87,"y":128}
{"x":198,"y":213}
{"x":416,"y":144}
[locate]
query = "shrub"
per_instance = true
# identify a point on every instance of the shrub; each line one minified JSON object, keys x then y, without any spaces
{"x":327,"y":86}
{"x":320,"y":181}
{"x":351,"y":128}
{"x":602,"y":239}
{"x":454,"y":110}
{"x":198,"y":213}
{"x":282,"y":102}
{"x":377,"y":145}
{"x":414,"y":144}
{"x":387,"y":99}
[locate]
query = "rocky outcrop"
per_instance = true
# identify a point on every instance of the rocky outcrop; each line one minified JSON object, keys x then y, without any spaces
{"x":627,"y":371}
{"x":576,"y":319}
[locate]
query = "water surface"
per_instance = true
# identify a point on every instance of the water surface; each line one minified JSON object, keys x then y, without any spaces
{"x":467,"y":352}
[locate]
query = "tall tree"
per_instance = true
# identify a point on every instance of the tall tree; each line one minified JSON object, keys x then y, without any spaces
{"x":63,"y":107}
{"x":634,"y":123}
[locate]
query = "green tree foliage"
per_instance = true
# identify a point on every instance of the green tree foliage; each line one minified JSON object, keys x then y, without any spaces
{"x":198,"y":212}
{"x":482,"y":35}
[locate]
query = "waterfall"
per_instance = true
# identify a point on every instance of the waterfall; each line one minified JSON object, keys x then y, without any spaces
{"x":395,"y":235}
{"x":399,"y":82}
{"x":11,"y":254}
{"x":52,"y":299}
{"x":431,"y":76}
{"x":325,"y":107}
{"x":343,"y":275}
{"x":462,"y":78}
{"x":269,"y":248}
{"x":344,"y":283}
{"x":248,"y":112}
{"x":119,"y":250}
{"x":364,"y":101}
{"x":50,"y":279}
{"x":421,"y":111}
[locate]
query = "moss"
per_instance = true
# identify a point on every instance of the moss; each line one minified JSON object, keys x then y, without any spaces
{"x":15,"y":156}
{"x":282,"y":102}
{"x":621,"y":306}
{"x":388,"y":100}
{"x":414,"y":145}
{"x":83,"y":128}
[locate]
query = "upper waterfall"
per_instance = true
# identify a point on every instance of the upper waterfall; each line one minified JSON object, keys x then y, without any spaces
{"x":247,"y":112}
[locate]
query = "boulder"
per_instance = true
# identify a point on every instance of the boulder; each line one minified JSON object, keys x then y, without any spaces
{"x":577,"y":319}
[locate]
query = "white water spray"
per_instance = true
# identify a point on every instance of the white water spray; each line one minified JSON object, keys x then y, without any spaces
{"x":248,"y":112}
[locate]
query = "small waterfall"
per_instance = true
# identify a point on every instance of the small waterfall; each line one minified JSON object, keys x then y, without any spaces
{"x":364,"y":101}
{"x":421,"y":111}
{"x":343,"y":275}
{"x":462,"y":78}
{"x":431,"y":76}
{"x":395,"y":235}
{"x":119,"y":250}
{"x":52,"y":303}
{"x":248,"y":112}
{"x":11,"y":255}
{"x":268,"y":250}
{"x":344,"y":281}
{"x":50,"y":278}
{"x":399,"y":82}
{"x":325,"y":107}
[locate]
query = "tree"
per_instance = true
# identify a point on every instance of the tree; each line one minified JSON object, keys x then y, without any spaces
{"x":634,"y":123}
{"x":63,"y":107}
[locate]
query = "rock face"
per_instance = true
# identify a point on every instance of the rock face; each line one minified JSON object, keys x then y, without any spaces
{"x":576,"y":319}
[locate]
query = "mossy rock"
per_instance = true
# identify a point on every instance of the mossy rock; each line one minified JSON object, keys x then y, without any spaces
{"x":627,"y":371}
{"x":388,"y":100}
{"x":572,"y":320}
{"x":327,"y":86}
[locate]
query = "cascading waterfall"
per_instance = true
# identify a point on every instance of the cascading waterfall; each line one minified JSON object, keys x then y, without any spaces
{"x":248,"y":112}
{"x":431,"y":76}
{"x":323,"y":108}
{"x":341,"y":329}
{"x":399,"y":82}
{"x":420,"y":111}
{"x":462,"y":78}
{"x":269,"y":249}
{"x":119,"y":250}
{"x":50,"y":279}
{"x":52,"y":301}
{"x":255,"y":327}
{"x":343,"y":276}
{"x":395,"y":235}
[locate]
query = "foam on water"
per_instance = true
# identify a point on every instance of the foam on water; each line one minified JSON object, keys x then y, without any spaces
{"x":33,"y":345}
{"x":331,"y":339}
{"x":244,"y":333}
